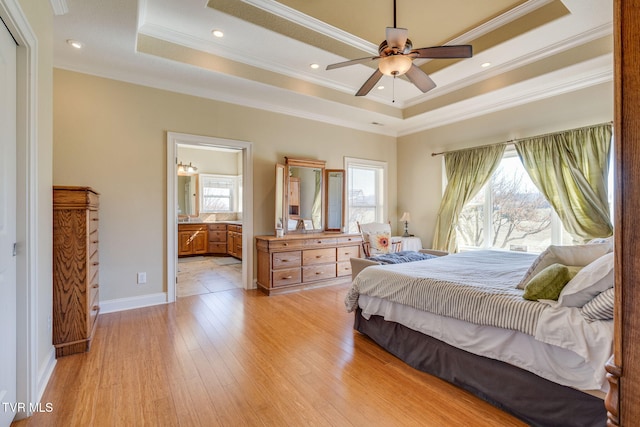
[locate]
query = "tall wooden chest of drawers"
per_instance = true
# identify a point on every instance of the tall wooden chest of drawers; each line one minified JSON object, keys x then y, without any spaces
{"x":299,"y":261}
{"x":75,"y":268}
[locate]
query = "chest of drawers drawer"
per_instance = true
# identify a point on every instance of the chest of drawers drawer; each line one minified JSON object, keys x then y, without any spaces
{"x":287,"y":259}
{"x":318,"y":272}
{"x":318,"y":256}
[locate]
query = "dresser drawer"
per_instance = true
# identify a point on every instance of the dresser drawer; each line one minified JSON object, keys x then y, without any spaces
{"x":93,"y":221}
{"x":343,"y":268}
{"x":349,"y":239}
{"x":94,"y":309}
{"x":346,"y":252}
{"x":217,"y":236}
{"x":318,"y":256}
{"x":286,"y":244}
{"x":287,"y":259}
{"x":288,"y":276}
{"x":321,"y":241}
{"x":318,"y":272}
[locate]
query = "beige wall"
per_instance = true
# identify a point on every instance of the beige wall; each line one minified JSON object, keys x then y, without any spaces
{"x":420,"y":175}
{"x":111,"y":136}
{"x":208,"y":161}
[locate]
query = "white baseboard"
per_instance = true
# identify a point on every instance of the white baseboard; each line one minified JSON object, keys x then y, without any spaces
{"x":121,"y":304}
{"x":45,"y":372}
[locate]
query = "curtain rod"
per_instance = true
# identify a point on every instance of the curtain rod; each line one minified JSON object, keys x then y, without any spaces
{"x":512,"y":141}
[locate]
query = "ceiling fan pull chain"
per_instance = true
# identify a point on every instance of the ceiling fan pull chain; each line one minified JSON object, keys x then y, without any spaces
{"x":393,"y":88}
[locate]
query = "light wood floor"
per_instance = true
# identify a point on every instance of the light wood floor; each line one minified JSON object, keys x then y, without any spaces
{"x":236,"y":357}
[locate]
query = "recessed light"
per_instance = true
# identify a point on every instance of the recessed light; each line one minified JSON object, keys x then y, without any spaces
{"x":380,"y":87}
{"x":486,"y":64}
{"x":74,"y":43}
{"x":217,"y":33}
{"x":314,"y":66}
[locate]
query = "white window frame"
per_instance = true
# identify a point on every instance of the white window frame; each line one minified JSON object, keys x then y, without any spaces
{"x":233,"y":198}
{"x":556,"y":224}
{"x":381,"y":167}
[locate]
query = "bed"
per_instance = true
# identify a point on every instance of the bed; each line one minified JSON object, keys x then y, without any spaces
{"x":463,"y":318}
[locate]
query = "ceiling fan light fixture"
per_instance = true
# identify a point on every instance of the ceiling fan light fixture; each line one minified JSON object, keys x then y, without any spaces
{"x":394,"y":65}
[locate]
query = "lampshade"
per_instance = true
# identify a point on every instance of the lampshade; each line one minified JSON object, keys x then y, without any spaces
{"x":406,"y":217}
{"x":395,"y":65}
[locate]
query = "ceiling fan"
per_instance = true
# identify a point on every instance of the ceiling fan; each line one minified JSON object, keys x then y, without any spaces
{"x":396,"y":55}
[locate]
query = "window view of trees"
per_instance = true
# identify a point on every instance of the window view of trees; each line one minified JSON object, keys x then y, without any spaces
{"x":365,"y":201}
{"x":508,"y":213}
{"x":217,"y":193}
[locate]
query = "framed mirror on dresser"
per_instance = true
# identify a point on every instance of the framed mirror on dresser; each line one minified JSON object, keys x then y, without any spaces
{"x":309,"y":249}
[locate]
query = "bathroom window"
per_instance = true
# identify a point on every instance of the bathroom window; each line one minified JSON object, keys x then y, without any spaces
{"x":218,"y":193}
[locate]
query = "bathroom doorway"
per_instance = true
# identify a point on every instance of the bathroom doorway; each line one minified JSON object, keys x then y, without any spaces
{"x":209,"y":219}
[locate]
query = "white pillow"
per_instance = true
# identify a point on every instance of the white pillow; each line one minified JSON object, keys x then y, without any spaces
{"x":593,"y":279}
{"x":575,"y":256}
{"x":598,"y":240}
{"x":601,"y":307}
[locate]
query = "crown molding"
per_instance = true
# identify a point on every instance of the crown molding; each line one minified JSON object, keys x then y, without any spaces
{"x":59,"y":7}
{"x":509,"y":98}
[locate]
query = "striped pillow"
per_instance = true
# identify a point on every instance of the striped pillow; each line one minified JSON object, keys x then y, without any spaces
{"x":600,"y":307}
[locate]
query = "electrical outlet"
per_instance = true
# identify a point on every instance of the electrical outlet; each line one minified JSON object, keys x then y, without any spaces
{"x":142,"y":278}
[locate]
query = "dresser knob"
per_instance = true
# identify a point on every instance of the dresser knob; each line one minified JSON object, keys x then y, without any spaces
{"x":288,"y":277}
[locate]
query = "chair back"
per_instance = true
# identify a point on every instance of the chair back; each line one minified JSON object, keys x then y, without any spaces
{"x":377,"y":239}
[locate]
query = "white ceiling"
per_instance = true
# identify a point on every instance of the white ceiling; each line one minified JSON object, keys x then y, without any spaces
{"x":537,"y":49}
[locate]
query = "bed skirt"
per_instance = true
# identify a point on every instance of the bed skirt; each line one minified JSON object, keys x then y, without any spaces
{"x":533,"y":399}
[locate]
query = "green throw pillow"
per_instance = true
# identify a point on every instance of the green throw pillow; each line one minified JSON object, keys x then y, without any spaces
{"x":548,"y":283}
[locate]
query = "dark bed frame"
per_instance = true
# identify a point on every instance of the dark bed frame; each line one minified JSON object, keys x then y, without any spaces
{"x":533,"y":399}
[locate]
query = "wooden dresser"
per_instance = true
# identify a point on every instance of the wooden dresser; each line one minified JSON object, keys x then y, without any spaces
{"x":300,"y":261}
{"x":75,"y":268}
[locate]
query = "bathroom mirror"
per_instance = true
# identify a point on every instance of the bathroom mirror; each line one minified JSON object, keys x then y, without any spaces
{"x":334,"y":203}
{"x":188,"y":195}
{"x":304,"y":195}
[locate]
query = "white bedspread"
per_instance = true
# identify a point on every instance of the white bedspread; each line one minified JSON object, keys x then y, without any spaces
{"x":589,"y":342}
{"x":478,"y":287}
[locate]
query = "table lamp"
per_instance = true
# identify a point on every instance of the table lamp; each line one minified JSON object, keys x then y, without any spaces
{"x":406,"y":218}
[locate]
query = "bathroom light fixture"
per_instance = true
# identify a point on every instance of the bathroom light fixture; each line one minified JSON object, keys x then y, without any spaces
{"x":186,"y":169}
{"x":217,"y":33}
{"x":314,"y":66}
{"x":406,"y":218}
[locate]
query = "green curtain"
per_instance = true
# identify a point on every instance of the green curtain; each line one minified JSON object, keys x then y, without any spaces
{"x":467,"y":172}
{"x":571,"y":169}
{"x":316,"y":208}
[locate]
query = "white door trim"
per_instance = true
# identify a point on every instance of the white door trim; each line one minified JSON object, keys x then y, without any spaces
{"x":173,"y":139}
{"x":30,"y":381}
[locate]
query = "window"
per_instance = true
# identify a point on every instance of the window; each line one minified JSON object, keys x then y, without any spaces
{"x":510,"y":213}
{"x":366,"y":191}
{"x":218,"y":193}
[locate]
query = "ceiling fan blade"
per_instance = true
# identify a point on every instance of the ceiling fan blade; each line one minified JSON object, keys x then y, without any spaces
{"x":397,"y":37}
{"x":457,"y":51}
{"x":352,"y":62}
{"x":420,"y":79}
{"x":370,"y":83}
